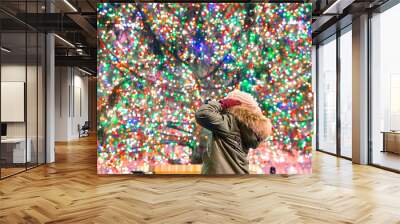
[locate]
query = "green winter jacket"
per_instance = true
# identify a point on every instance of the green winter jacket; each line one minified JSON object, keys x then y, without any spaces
{"x":235,"y":131}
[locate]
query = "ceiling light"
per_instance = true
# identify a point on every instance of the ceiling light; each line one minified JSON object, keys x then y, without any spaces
{"x":5,"y":50}
{"x":338,"y":6}
{"x":84,"y":71}
{"x":65,"y":41}
{"x":70,"y":5}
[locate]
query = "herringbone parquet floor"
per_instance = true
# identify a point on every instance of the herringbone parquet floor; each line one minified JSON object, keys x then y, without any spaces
{"x":69,"y":191}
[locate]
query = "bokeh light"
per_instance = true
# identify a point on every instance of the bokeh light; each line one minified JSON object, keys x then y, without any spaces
{"x":158,"y":62}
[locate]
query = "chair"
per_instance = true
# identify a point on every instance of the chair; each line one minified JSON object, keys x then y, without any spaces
{"x":84,"y":130}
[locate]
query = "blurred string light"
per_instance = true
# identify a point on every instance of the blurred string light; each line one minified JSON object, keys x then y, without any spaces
{"x":159,"y":62}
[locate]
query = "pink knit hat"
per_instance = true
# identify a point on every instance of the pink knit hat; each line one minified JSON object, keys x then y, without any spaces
{"x":246,"y":99}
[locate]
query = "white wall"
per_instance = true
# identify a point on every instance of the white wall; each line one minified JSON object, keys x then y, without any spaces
{"x":62,"y":82}
{"x":13,"y":73}
{"x":71,"y":102}
{"x":16,"y":73}
{"x":81,"y":114}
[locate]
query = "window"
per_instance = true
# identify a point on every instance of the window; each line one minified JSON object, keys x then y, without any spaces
{"x":346,"y":93}
{"x":385,"y":89}
{"x":327,"y":96}
{"x":22,"y":77}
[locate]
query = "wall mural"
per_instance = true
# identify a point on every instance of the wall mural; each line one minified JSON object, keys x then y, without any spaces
{"x":158,"y":63}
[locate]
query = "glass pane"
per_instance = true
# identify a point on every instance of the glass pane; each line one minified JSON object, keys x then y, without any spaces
{"x":13,"y":86}
{"x":346,"y":94}
{"x":327,"y":97}
{"x":314,"y":89}
{"x":23,"y":87}
{"x":41,"y":98}
{"x":386,"y":89}
{"x":32,"y":97}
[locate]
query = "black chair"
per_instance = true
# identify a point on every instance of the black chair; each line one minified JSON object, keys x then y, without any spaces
{"x":84,"y":130}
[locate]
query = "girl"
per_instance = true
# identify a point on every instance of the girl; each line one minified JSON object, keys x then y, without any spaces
{"x":237,"y":124}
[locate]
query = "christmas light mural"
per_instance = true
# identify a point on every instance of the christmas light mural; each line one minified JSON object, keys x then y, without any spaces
{"x":158,"y":62}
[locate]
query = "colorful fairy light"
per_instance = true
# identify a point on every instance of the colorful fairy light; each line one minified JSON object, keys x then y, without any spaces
{"x":158,"y":62}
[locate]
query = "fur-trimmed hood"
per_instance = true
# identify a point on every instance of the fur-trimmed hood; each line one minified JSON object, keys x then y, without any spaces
{"x":254,"y":120}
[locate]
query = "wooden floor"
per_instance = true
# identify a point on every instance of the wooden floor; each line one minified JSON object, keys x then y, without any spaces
{"x":69,"y":191}
{"x":5,"y":172}
{"x":386,"y":159}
